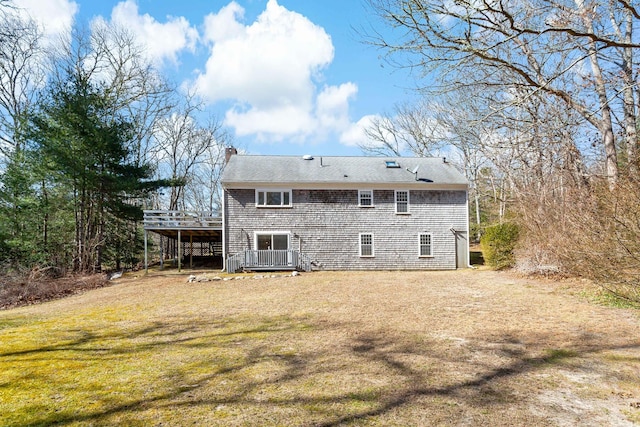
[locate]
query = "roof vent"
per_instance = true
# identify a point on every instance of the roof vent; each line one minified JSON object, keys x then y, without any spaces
{"x":307,"y":157}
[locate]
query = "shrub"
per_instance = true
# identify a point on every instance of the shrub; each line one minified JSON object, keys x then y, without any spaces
{"x":583,"y":226}
{"x":600,"y":237}
{"x":498,"y":243}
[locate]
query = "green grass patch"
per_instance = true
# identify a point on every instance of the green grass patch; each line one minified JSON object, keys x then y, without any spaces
{"x":557,"y":355}
{"x":605,"y":298}
{"x":622,"y":357}
{"x":633,"y":414}
{"x":89,"y":369}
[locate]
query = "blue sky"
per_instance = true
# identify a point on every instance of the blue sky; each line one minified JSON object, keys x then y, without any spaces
{"x":285,"y":76}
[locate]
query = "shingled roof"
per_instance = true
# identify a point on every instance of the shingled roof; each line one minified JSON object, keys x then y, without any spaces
{"x":250,"y":171}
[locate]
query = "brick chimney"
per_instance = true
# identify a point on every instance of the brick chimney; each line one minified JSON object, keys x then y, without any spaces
{"x":228,"y":152}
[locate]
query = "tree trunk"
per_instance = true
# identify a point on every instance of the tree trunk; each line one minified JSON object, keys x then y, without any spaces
{"x":606,"y":124}
{"x":629,"y":104}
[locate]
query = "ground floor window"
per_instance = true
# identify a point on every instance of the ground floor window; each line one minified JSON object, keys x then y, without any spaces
{"x":366,"y":244}
{"x":425,"y":248}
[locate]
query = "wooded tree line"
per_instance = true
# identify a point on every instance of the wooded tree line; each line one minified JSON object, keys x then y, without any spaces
{"x":90,"y":135}
{"x":537,"y":100}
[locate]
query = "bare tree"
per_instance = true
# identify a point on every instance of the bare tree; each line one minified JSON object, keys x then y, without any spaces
{"x":409,"y":128}
{"x":185,"y":149}
{"x":629,"y":86}
{"x":203,"y":191}
{"x":534,"y":46}
{"x":111,"y":58}
{"x":142,"y":92}
{"x":21,"y":74}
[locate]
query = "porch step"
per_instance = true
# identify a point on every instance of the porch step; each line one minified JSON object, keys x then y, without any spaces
{"x":268,"y":260}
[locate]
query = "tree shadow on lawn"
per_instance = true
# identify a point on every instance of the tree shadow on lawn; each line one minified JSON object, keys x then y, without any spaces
{"x":484,"y":386}
{"x":286,"y":371}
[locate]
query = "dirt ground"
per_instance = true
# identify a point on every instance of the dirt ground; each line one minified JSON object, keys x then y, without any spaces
{"x":410,"y":348}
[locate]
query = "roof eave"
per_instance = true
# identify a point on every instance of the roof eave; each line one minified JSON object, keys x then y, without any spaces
{"x":413,"y":185}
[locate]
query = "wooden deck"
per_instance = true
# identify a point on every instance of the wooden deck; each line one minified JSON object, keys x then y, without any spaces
{"x":268,"y":260}
{"x":168,"y":223}
{"x":188,"y":232}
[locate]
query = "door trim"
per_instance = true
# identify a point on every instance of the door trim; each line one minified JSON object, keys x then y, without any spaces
{"x":271,"y":233}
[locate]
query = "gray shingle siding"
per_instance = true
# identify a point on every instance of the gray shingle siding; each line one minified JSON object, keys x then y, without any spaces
{"x":325,"y":225}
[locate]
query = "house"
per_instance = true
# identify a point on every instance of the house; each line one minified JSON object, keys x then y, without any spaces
{"x":344,"y":213}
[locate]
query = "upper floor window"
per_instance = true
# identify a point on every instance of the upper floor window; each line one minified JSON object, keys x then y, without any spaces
{"x":402,"y":202}
{"x":365,"y":198}
{"x":273,"y":198}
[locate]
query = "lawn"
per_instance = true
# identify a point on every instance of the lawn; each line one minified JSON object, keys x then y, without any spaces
{"x":325,"y":348}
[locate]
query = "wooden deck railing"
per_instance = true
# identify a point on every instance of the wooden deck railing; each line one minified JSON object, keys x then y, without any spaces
{"x":159,"y":219}
{"x":268,"y":260}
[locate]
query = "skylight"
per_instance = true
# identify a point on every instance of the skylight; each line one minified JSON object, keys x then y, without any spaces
{"x":392,"y":164}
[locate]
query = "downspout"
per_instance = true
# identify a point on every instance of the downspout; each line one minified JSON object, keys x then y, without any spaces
{"x":224,"y":230}
{"x":146,"y":253}
{"x":468,"y":231}
{"x":228,"y":153}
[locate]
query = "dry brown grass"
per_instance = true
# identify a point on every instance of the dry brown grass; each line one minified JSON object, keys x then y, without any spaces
{"x":326,"y":348}
{"x":19,"y":290}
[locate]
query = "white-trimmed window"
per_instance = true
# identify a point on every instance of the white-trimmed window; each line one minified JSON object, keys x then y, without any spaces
{"x":365,"y":198}
{"x":425,"y":245}
{"x":366,"y":245}
{"x":402,"y":202}
{"x":273,"y":198}
{"x":266,"y":240}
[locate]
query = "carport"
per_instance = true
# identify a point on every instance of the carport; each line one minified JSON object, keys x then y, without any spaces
{"x":195,"y":235}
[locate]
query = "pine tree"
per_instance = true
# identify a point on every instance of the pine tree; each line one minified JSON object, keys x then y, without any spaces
{"x":84,"y":140}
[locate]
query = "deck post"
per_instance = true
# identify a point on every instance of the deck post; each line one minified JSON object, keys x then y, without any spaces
{"x":191,"y":251}
{"x":179,"y":251}
{"x":146,"y":253}
{"x":161,"y":253}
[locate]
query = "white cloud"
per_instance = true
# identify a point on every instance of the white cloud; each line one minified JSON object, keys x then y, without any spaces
{"x":55,"y":17}
{"x":272,"y":69}
{"x":333,"y":105}
{"x":224,"y":24}
{"x":355,"y":135}
{"x":162,"y":41}
{"x":276,"y":55}
{"x":273,"y":124}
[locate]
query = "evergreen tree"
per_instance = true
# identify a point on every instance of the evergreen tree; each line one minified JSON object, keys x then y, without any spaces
{"x":83,"y":142}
